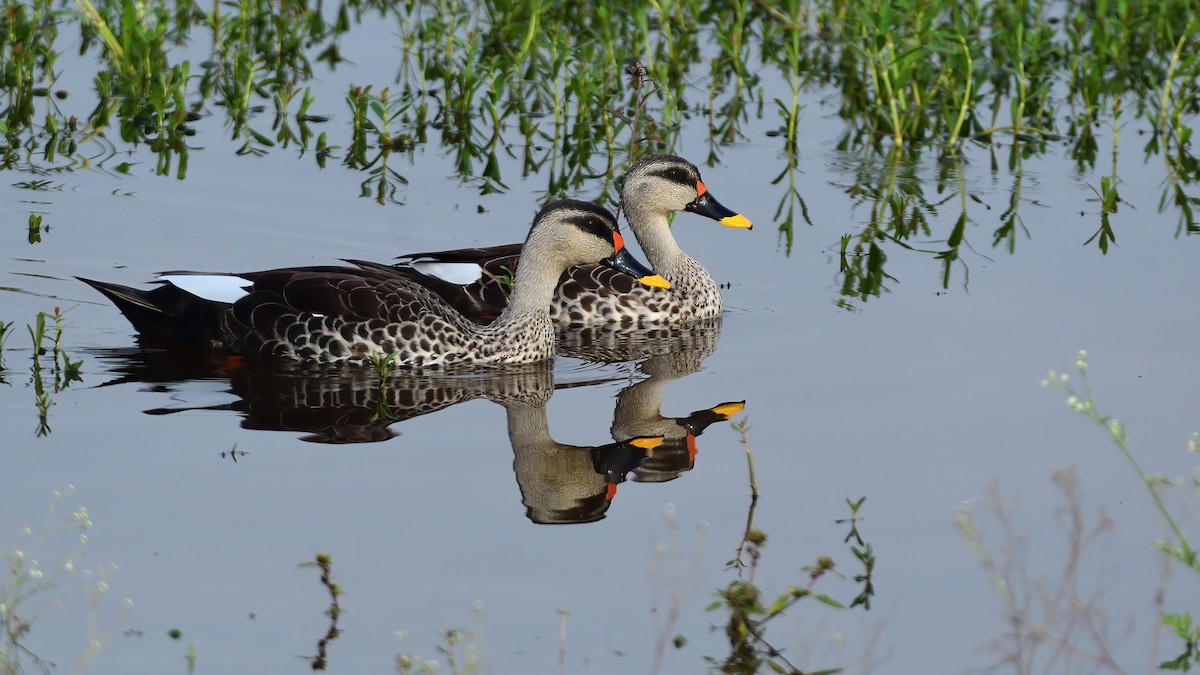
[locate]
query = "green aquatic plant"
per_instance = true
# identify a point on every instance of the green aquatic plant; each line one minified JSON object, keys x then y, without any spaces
{"x":189,"y":655}
{"x":5,"y":329}
{"x":460,"y":647}
{"x":64,"y":371}
{"x":324,"y":562}
{"x":748,"y":616}
{"x":1082,"y":401}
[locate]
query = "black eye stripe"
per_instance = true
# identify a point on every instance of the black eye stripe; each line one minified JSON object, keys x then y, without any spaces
{"x":673,"y":169}
{"x":587,"y":216}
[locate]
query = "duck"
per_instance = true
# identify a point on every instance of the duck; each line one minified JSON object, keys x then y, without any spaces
{"x":333,"y":314}
{"x":477,"y":281}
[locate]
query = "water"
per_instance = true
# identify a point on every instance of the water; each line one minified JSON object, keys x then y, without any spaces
{"x":918,"y":399}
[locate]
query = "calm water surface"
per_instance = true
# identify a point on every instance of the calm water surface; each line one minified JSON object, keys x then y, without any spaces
{"x":918,"y":399}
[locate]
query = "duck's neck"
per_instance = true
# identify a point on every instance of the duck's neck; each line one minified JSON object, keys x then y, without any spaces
{"x":653,"y":232}
{"x":527,"y":425}
{"x":639,"y":403}
{"x":533,"y":289}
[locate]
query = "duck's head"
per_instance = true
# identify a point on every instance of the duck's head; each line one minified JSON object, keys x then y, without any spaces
{"x":576,"y":232}
{"x":666,"y":183}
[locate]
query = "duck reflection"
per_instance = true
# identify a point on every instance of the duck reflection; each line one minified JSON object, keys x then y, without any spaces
{"x":563,"y":484}
{"x":329,"y":404}
{"x":559,"y":483}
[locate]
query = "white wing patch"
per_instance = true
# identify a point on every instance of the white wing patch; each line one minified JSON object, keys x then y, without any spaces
{"x":225,"y":288}
{"x":455,"y":273}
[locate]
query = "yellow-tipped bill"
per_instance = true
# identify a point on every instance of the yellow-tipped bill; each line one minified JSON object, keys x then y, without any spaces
{"x":736,"y":220}
{"x":729,"y":409}
{"x":646,"y":442}
{"x":655,"y":281}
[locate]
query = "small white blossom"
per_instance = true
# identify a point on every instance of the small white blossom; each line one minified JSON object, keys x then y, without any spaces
{"x":1072,"y":401}
{"x":95,"y":645}
{"x":431,"y":665}
{"x":702,"y":527}
{"x":102,"y":587}
{"x":669,"y":510}
{"x":68,"y":567}
{"x":127,"y":603}
{"x":401,"y":635}
{"x":1193,"y":443}
{"x":35,"y":574}
{"x":26,"y":531}
{"x":1063,"y":378}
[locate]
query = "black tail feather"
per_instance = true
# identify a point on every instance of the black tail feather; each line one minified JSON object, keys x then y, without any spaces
{"x":167,"y":313}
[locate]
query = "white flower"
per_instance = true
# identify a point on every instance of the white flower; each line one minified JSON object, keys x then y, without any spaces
{"x":401,"y":635}
{"x":127,"y":603}
{"x":702,"y":527}
{"x":35,"y":574}
{"x":102,"y":586}
{"x":68,"y":567}
{"x":431,"y":665}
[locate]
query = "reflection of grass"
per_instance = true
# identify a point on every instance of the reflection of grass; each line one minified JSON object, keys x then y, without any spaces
{"x":1055,"y":626}
{"x":27,"y":588}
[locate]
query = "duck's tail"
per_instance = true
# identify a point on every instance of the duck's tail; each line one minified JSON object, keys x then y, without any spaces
{"x":167,"y":313}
